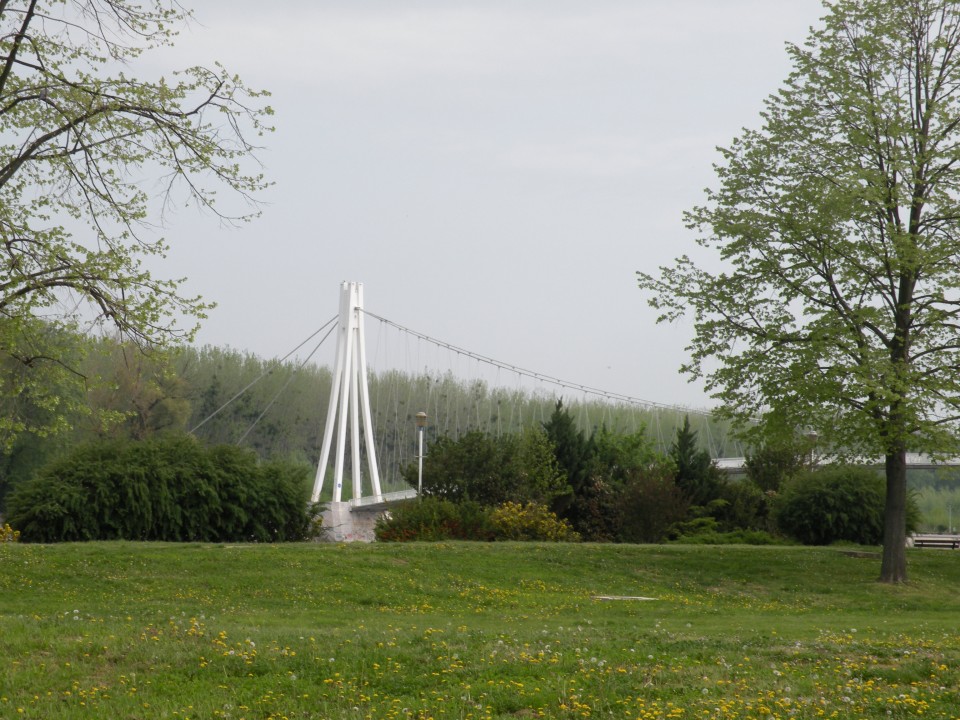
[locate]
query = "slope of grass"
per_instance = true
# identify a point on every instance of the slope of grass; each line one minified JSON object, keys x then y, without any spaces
{"x":126,"y":630}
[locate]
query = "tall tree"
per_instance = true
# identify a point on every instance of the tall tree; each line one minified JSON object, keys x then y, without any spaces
{"x":90,"y":158}
{"x":836,"y":302}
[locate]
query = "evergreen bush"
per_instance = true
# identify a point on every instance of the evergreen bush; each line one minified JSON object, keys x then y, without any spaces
{"x":696,"y":473}
{"x":170,"y":489}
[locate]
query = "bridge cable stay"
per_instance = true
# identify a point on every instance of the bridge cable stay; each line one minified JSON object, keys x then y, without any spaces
{"x":660,"y":439}
{"x":268,"y":371}
{"x":514,"y":405}
{"x":382,"y":381}
{"x":431,"y":383}
{"x":284,"y":387}
{"x":387,"y":404}
{"x":456,"y":405}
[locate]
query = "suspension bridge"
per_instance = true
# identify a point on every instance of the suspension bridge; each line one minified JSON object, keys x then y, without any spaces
{"x":372,"y":406}
{"x":350,"y":418}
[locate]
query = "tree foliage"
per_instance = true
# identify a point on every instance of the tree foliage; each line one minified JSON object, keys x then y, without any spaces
{"x":622,"y":488}
{"x":281,"y":413}
{"x":91,"y":158}
{"x":837,"y":300}
{"x":136,"y":395}
{"x":41,"y":390}
{"x":773,"y":463}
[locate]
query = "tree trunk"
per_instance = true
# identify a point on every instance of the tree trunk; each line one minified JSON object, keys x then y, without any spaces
{"x":893,"y":568}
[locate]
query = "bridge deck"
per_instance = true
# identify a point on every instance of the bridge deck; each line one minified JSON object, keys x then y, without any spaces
{"x":915,"y":461}
{"x":371,"y":503}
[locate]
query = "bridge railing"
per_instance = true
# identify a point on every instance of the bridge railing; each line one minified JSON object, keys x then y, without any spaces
{"x":384,"y":499}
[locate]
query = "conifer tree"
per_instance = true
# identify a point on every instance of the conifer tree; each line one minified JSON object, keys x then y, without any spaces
{"x":696,"y":476}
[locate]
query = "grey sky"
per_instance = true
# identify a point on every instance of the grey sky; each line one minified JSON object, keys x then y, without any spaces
{"x":493,"y":172}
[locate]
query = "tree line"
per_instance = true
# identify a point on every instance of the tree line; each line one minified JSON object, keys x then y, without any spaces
{"x":603,"y":482}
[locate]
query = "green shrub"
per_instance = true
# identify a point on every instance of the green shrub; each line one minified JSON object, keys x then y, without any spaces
{"x":169,"y":488}
{"x":530,"y":521}
{"x":649,"y":504}
{"x":841,"y":502}
{"x":432,"y":519}
{"x":744,"y":506}
{"x":770,"y":465}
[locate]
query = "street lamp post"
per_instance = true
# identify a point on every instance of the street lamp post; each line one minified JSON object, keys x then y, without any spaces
{"x":421,"y":424}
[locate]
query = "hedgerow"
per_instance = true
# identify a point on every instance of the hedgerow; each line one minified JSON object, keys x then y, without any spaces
{"x":431,"y":519}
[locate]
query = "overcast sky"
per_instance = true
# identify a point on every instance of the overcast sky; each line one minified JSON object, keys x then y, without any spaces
{"x":494,"y":172}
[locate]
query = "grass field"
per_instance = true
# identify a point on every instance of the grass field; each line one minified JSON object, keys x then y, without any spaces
{"x":124,"y":630}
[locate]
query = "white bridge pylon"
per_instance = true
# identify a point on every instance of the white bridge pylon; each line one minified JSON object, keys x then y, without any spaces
{"x":349,"y":397}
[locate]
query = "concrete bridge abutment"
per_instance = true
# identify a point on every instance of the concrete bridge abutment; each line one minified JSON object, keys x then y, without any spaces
{"x":342,"y":522}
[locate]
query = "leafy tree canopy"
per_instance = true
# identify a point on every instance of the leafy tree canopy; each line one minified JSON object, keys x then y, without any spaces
{"x":836,"y":301}
{"x":91,"y":157}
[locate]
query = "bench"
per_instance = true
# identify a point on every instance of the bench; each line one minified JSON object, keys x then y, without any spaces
{"x":948,"y":542}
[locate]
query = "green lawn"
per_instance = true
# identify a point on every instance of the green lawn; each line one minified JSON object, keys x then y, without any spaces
{"x":125,"y":630}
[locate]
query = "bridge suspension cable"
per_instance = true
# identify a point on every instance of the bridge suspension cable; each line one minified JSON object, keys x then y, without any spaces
{"x":540,"y":377}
